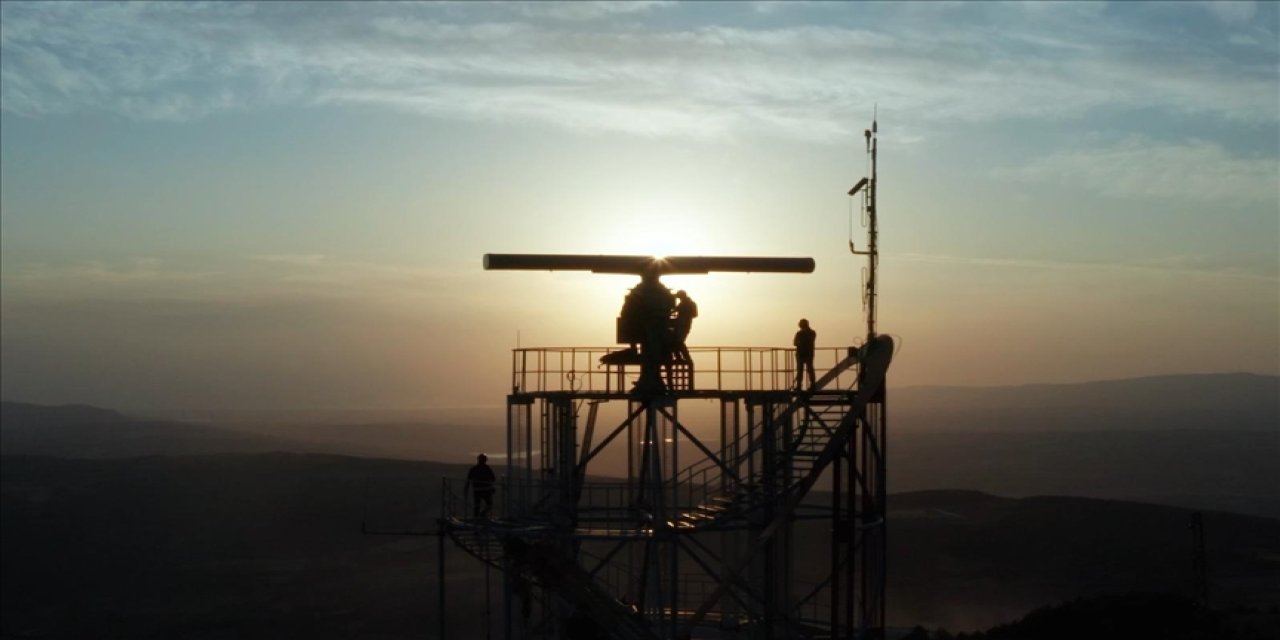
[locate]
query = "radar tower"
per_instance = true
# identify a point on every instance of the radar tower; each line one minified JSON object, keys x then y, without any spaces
{"x":639,"y":502}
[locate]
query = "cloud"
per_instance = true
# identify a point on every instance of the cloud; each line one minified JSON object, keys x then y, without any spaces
{"x":299,"y":259}
{"x":586,"y":11}
{"x":1232,"y":13}
{"x":537,"y":63}
{"x":768,"y":7}
{"x":235,"y":282}
{"x":1137,"y":167}
{"x":97,"y":275}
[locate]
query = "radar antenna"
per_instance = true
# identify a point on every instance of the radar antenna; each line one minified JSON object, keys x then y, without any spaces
{"x":639,"y":265}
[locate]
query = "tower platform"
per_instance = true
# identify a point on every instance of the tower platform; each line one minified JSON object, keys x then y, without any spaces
{"x":732,"y":504}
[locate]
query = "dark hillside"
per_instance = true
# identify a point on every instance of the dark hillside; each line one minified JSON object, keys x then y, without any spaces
{"x":270,"y":546}
{"x":982,"y":559}
{"x":1202,"y":469}
{"x":1124,"y":617}
{"x":81,"y":431}
{"x":218,"y":546}
{"x":1218,"y":468}
{"x":26,"y":415}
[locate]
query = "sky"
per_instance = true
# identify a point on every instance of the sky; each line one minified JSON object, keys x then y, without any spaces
{"x":285,"y":205}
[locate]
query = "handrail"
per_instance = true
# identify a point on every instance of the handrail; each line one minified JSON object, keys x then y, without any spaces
{"x":611,"y":507}
{"x":578,"y":369}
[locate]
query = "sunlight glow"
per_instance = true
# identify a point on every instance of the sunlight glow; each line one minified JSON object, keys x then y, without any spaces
{"x":659,"y":229}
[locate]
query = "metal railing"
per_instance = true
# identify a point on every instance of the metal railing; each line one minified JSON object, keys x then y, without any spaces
{"x":604,"y":507}
{"x":578,"y":369}
{"x":456,"y":502}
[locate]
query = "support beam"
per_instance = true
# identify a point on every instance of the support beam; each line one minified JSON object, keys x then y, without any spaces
{"x":879,"y":353}
{"x":703,"y":448}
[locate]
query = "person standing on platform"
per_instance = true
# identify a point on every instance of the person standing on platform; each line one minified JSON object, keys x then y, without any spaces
{"x":482,"y":480}
{"x":686,"y":311}
{"x":804,"y":341}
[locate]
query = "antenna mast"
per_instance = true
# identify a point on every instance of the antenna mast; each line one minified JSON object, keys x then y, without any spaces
{"x":873,"y":231}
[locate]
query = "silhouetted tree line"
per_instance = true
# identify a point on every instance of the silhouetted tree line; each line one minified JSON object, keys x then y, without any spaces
{"x":1127,"y":617}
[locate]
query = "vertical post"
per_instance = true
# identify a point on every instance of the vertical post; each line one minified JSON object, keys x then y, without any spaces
{"x":566,"y":422}
{"x":440,"y":584}
{"x":506,"y":478}
{"x":837,"y":535}
{"x":673,"y":506}
{"x":528,"y":460}
{"x":728,"y":553}
{"x":873,"y":232}
{"x":883,"y":505}
{"x":631,"y":451}
{"x":488,"y":608}
{"x":853,"y":564}
{"x":769,"y":470}
{"x":508,"y":600}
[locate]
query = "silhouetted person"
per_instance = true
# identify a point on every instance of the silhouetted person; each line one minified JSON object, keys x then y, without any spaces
{"x":646,"y":313}
{"x":686,"y":311}
{"x":804,"y":341}
{"x":481,"y":478}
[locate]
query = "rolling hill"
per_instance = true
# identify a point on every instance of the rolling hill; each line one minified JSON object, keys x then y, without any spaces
{"x":1203,"y":442}
{"x":81,"y":431}
{"x":270,"y":545}
{"x":1236,"y":402}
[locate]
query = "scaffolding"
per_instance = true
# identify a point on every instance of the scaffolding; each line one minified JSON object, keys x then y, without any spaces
{"x":681,"y":515}
{"x":699,"y":495}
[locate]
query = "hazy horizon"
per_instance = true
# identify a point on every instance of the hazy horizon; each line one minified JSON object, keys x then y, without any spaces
{"x":283,"y":206}
{"x":352,"y":414}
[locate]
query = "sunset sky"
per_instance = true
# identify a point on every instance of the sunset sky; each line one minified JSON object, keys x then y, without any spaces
{"x":285,"y":205}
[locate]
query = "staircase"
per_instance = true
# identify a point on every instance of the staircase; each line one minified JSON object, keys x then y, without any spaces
{"x":875,"y":358}
{"x":821,"y":416}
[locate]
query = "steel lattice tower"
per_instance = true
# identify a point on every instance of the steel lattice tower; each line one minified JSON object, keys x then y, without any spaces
{"x":729,"y":505}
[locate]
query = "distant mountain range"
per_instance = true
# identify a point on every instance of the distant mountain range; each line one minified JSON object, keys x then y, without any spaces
{"x":82,"y":431}
{"x":1236,"y":401}
{"x":24,"y":415}
{"x":1198,"y":441}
